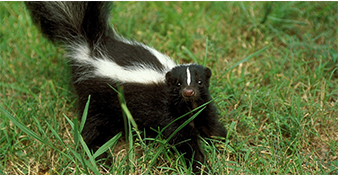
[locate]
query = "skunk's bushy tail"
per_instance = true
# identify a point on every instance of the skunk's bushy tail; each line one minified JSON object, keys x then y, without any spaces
{"x":72,"y":22}
{"x":94,"y":48}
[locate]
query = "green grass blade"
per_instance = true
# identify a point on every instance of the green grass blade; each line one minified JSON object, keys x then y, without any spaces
{"x":69,"y":121}
{"x":154,"y":158}
{"x":184,"y":124}
{"x":203,"y":105}
{"x":247,"y":58}
{"x":190,"y":54}
{"x":161,"y":148}
{"x":124,"y":107}
{"x":56,"y":134}
{"x":107,"y":145}
{"x":84,"y":115}
{"x":76,"y":132}
{"x":90,"y":156}
{"x":84,"y":162}
{"x":128,"y":114}
{"x":38,"y":125}
{"x":206,"y":52}
{"x":23,"y":127}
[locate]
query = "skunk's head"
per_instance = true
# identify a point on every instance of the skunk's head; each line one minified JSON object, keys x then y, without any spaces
{"x":189,"y":85}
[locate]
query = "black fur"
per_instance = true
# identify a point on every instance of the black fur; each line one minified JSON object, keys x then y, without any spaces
{"x":152,"y":105}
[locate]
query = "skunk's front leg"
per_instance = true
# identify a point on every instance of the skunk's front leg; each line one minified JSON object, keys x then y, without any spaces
{"x":209,"y":125}
{"x":187,"y":142}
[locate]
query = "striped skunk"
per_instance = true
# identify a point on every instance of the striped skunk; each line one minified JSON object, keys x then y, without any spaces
{"x":156,"y":90}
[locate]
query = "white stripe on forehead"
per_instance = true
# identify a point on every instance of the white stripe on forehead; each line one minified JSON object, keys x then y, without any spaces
{"x":188,"y":77}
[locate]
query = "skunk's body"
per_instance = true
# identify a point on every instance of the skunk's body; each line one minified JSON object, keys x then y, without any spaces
{"x":156,"y":90}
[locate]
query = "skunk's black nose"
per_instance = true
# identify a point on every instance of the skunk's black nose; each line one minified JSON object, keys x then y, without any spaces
{"x":188,"y":92}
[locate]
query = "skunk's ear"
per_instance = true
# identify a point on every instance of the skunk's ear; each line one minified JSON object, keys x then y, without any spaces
{"x":207,"y":72}
{"x":167,"y":77}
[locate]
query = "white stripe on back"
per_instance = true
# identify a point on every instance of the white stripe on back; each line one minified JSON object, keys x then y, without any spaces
{"x":165,"y":60}
{"x":104,"y":67}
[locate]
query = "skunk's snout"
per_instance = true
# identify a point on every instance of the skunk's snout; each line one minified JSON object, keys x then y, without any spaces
{"x":188,"y":92}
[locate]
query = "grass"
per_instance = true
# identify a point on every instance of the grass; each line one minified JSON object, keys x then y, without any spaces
{"x":280,"y":106}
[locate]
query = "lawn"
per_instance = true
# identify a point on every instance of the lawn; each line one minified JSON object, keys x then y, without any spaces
{"x":275,"y":83}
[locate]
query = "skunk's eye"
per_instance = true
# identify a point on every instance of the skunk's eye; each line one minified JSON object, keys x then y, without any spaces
{"x":178,"y":84}
{"x":200,"y":82}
